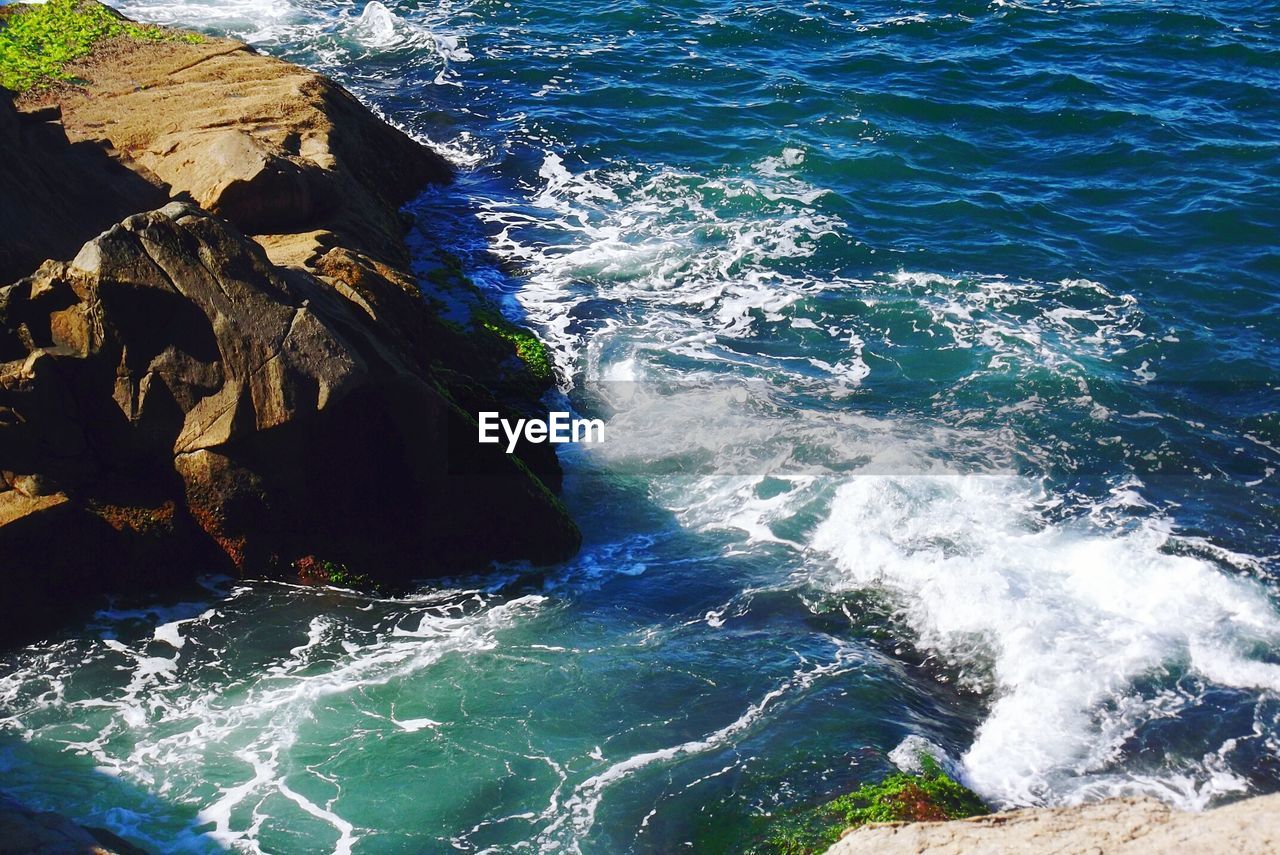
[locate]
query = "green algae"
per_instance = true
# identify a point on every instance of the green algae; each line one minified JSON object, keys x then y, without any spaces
{"x":929,"y":796}
{"x":532,"y":352}
{"x":486,"y":319}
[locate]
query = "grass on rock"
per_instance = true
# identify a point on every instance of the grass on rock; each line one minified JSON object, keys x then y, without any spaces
{"x":37,"y":42}
{"x":930,"y":796}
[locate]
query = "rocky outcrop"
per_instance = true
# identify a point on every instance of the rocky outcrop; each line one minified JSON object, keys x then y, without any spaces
{"x":274,"y":148}
{"x":28,"y":832}
{"x":1120,"y":826}
{"x":170,"y":362}
{"x":177,"y":397}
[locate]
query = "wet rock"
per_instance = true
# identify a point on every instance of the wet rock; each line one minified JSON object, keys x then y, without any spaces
{"x":29,"y":832}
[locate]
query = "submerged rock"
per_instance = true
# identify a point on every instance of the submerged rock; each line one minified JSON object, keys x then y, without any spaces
{"x":24,"y":831}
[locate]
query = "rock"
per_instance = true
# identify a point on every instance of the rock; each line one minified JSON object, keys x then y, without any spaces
{"x":282,"y":418}
{"x":1121,"y":826}
{"x":235,"y":175}
{"x":80,"y":190}
{"x":32,"y":486}
{"x":196,"y":400}
{"x":74,"y":552}
{"x":27,"y":832}
{"x":272,"y":147}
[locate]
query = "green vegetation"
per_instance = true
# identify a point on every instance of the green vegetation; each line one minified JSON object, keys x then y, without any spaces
{"x":528,"y":347}
{"x":341,"y":577}
{"x":322,"y":571}
{"x":929,"y":796}
{"x":38,"y":41}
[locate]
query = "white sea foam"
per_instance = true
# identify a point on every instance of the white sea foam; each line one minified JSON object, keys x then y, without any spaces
{"x":161,"y":733}
{"x":701,"y":247}
{"x":426,"y":35}
{"x":251,"y":20}
{"x":910,"y":753}
{"x":1068,"y":618}
{"x":376,"y":26}
{"x":1059,"y":622}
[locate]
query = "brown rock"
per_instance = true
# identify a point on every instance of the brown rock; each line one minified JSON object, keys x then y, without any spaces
{"x":1121,"y":826}
{"x":80,"y":190}
{"x":281,"y":417}
{"x":273,"y":147}
{"x":32,"y":486}
{"x":248,"y":180}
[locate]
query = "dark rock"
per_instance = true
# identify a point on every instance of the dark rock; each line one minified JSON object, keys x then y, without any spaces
{"x":179,"y":399}
{"x":178,"y":368}
{"x":28,"y":832}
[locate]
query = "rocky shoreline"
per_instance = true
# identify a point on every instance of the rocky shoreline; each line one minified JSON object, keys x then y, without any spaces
{"x":214,"y":357}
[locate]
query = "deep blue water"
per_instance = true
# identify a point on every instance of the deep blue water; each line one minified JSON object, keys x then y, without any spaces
{"x":937,"y":345}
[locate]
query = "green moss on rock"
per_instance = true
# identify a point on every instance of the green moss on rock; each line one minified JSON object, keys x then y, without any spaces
{"x":532,"y":352}
{"x":37,"y":42}
{"x":931,"y":796}
{"x":449,"y":276}
{"x":323,"y":571}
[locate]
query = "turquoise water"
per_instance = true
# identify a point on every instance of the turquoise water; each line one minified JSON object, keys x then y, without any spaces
{"x":936,"y":343}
